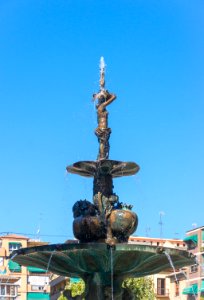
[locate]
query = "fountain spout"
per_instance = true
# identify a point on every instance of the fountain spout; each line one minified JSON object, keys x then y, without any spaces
{"x":102,"y":73}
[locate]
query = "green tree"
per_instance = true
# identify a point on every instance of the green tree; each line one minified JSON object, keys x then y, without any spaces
{"x":77,"y":288}
{"x":61,"y":297}
{"x":72,"y":290}
{"x":141,"y":288}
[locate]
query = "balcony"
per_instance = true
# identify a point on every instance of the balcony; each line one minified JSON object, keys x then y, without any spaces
{"x":162,"y":293}
{"x":162,"y":297}
{"x":8,"y":291}
{"x":38,"y":288}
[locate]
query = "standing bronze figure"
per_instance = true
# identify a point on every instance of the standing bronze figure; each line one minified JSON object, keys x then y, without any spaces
{"x":103,"y":131}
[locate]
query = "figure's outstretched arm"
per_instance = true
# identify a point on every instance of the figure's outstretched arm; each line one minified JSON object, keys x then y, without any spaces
{"x":109,"y":99}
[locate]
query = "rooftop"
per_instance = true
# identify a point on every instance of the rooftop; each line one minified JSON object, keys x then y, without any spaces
{"x":14,"y":236}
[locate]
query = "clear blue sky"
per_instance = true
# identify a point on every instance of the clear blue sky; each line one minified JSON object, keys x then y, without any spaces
{"x":49,"y":57}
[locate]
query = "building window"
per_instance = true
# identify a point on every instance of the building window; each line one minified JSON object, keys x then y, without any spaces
{"x":12,"y":290}
{"x":7,"y":290}
{"x":191,"y":245}
{"x":14,"y":246}
{"x":194,"y":268}
{"x":37,"y":287}
{"x":177,"y":288}
{"x":160,"y":286}
{"x":2,"y":290}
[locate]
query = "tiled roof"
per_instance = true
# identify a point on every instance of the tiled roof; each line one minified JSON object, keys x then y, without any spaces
{"x":14,"y":236}
{"x":150,"y":239}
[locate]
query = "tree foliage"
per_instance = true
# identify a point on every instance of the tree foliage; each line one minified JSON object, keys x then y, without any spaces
{"x":77,"y":288}
{"x":73,"y":291}
{"x":141,"y":288}
{"x":61,"y":297}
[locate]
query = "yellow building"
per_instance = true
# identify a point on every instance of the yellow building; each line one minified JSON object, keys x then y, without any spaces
{"x":18,"y":282}
{"x":29,"y":283}
{"x":165,"y":285}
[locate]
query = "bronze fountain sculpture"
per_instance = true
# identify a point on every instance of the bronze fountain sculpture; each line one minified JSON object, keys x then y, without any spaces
{"x":107,"y":220}
{"x":102,"y":257}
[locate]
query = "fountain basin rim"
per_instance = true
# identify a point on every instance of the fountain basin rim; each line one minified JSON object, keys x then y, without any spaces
{"x":79,"y":260}
{"x":100,"y":246}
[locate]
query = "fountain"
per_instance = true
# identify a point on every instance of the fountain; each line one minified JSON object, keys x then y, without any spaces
{"x":101,"y":255}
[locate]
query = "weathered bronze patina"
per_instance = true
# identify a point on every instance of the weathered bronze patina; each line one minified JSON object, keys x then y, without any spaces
{"x":102,"y":257}
{"x":93,"y":262}
{"x":112,"y":221}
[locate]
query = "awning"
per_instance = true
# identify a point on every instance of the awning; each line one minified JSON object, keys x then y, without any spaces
{"x":14,"y":267}
{"x":2,"y":270}
{"x":202,"y":287}
{"x":41,"y":296}
{"x":15,"y":243}
{"x":190,"y":290}
{"x":193,"y":238}
{"x":36,"y":270}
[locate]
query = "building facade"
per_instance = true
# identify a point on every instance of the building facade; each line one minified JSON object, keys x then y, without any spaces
{"x":167,"y":285}
{"x":194,"y":289}
{"x":18,"y":282}
{"x":29,"y":283}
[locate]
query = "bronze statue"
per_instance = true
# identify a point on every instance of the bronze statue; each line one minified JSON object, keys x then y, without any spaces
{"x":107,"y":219}
{"x":112,"y":224}
{"x":103,"y":131}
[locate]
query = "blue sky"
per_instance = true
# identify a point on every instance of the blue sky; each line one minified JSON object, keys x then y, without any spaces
{"x":49,"y":58}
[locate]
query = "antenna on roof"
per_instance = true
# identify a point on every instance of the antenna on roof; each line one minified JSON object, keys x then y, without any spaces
{"x":161,"y":214}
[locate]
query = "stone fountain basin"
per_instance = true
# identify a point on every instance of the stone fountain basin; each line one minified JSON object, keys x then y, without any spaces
{"x":79,"y":260}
